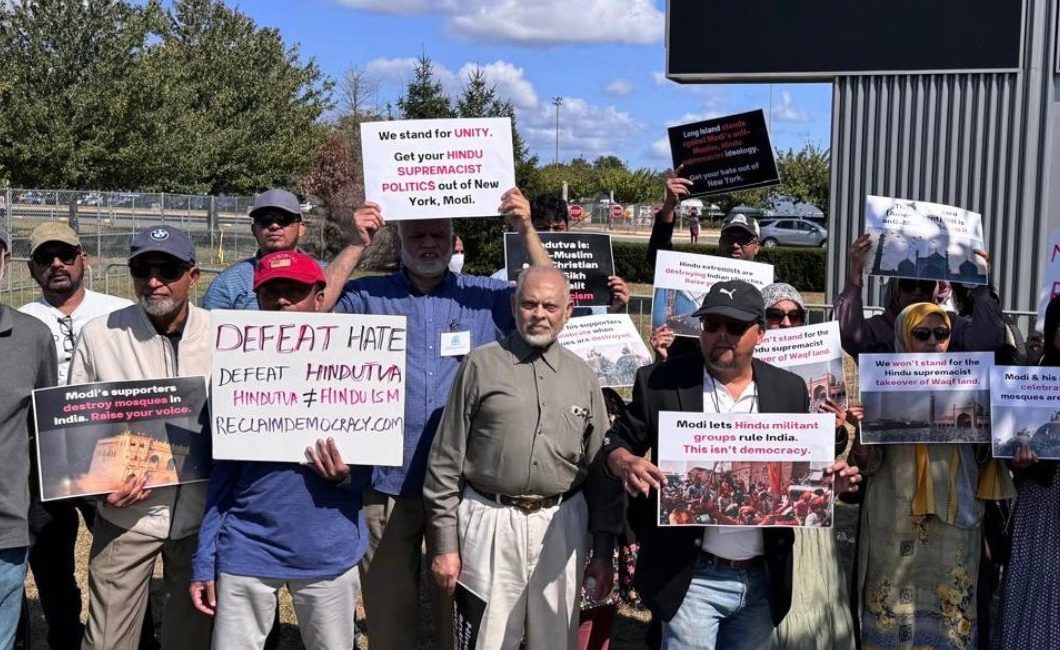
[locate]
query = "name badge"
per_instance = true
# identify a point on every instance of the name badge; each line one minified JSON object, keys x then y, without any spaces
{"x":455,"y":344}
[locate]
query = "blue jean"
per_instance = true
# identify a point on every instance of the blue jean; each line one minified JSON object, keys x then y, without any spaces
{"x":724,"y":608}
{"x":12,"y":579}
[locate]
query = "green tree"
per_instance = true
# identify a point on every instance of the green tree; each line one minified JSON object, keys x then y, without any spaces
{"x":805,"y":175}
{"x":424,"y":97}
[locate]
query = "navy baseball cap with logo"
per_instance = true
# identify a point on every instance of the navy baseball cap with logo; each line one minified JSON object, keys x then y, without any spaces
{"x":733,"y":299}
{"x":741,"y":221}
{"x":163,"y":239}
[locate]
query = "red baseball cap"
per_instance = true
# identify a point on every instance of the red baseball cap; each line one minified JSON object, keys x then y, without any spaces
{"x":290,"y":265}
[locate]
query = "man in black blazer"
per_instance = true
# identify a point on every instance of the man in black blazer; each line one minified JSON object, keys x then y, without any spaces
{"x":712,"y":587}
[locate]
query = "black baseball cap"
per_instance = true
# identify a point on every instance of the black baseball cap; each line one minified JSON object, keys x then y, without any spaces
{"x":733,"y":299}
{"x":163,"y":239}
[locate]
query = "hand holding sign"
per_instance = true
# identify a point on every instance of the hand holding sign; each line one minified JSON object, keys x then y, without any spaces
{"x":367,"y":220}
{"x":516,"y":209}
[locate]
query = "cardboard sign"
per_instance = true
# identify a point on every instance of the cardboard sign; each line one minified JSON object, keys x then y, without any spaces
{"x":586,"y":258}
{"x":1025,"y":409}
{"x":725,"y":154}
{"x":746,"y":469}
{"x":813,"y":352}
{"x":1050,"y":278}
{"x":682,"y":279}
{"x":925,"y":398}
{"x":610,"y":344}
{"x":92,"y":437}
{"x":927,"y":241}
{"x":283,"y":380}
{"x":431,"y":169}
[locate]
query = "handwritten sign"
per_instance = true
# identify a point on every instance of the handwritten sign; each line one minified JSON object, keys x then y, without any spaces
{"x":585,"y":258}
{"x":740,"y":469}
{"x":682,"y":279}
{"x":1025,"y":410}
{"x":724,"y":154}
{"x":925,"y":398}
{"x":92,"y":437}
{"x":431,"y":169}
{"x":610,"y":344}
{"x":813,"y":352}
{"x":282,"y":380}
{"x":928,"y":241}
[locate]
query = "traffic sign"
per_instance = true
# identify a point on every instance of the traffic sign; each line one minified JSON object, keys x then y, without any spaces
{"x":576,"y":212}
{"x":616,"y":210}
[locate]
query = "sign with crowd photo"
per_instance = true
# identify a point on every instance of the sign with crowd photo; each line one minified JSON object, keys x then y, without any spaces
{"x":610,"y":344}
{"x":431,"y":169}
{"x":92,"y":437}
{"x":1050,"y":278}
{"x":925,"y":398}
{"x":283,"y":380}
{"x":1025,"y":410}
{"x":682,"y":279}
{"x":724,"y":154}
{"x":746,"y":469}
{"x":585,"y":258}
{"x":926,"y":241}
{"x":813,"y":352}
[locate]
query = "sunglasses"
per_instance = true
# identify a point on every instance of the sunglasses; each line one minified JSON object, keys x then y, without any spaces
{"x":67,"y":255}
{"x":732,"y":327}
{"x":283,"y":220}
{"x":923,"y":334}
{"x":741,"y":239}
{"x":924,"y":286}
{"x":795,"y":316}
{"x":66,"y":328}
{"x":167,"y":271}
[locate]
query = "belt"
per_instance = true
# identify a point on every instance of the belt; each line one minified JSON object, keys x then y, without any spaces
{"x":751,"y":563}
{"x":528,"y":504}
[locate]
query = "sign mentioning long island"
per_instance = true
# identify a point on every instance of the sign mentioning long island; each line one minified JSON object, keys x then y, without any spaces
{"x":724,"y":154}
{"x":282,"y":380}
{"x":431,"y":169}
{"x":585,"y":258}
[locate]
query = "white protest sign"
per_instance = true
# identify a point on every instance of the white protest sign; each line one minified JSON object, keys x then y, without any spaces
{"x":283,"y":380}
{"x":1050,"y":278}
{"x":741,"y":469}
{"x":610,"y":344}
{"x":813,"y":352}
{"x":929,"y":241}
{"x":1025,"y":409}
{"x":431,"y":169}
{"x":925,"y":398}
{"x":682,"y":279}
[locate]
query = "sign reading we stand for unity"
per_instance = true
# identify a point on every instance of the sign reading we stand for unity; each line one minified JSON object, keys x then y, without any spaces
{"x":283,"y":380}
{"x":432,"y":169}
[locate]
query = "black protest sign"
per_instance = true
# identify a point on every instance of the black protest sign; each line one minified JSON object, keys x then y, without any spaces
{"x":468,"y":609}
{"x":724,"y":154}
{"x":585,"y":257}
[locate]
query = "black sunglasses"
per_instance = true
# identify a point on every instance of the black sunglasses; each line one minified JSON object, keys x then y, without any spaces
{"x":733,"y":327}
{"x":282,"y":219}
{"x":795,"y":316}
{"x":743,"y":238}
{"x":66,"y":328}
{"x":44,"y":255}
{"x":924,"y":333}
{"x":925,"y":286}
{"x":167,"y":271}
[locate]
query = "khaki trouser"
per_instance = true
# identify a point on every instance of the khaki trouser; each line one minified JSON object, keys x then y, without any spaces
{"x":119,"y":577}
{"x":390,"y":575}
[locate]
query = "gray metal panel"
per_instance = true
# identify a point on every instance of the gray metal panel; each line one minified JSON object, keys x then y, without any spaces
{"x":984,"y":142}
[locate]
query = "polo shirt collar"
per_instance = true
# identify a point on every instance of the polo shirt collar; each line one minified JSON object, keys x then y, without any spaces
{"x":523,"y":352}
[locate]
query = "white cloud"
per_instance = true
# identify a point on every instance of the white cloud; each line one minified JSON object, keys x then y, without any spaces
{"x":659,"y":77}
{"x":390,"y":70}
{"x":785,"y":110}
{"x":395,"y":6}
{"x":584,"y":129}
{"x":661,"y":149}
{"x":619,"y":88}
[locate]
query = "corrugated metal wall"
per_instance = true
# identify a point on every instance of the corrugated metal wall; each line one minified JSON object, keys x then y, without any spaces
{"x":983,"y":142}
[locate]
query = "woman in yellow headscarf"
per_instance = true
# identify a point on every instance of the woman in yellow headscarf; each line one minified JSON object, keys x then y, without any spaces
{"x":919,"y":542}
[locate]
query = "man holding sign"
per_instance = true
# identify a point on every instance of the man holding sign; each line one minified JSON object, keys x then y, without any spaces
{"x":689,"y":575}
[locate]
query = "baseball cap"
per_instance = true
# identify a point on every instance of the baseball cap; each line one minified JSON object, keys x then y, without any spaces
{"x":733,"y":299}
{"x":52,"y":231}
{"x":741,"y":221}
{"x":276,"y":199}
{"x":163,"y":239}
{"x":289,"y":265}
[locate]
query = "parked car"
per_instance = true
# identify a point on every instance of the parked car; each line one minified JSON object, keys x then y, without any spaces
{"x":792,"y":232}
{"x":91,"y":199}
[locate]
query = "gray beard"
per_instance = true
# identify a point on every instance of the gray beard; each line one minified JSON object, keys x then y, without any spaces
{"x":426,"y":268}
{"x":161,"y":306}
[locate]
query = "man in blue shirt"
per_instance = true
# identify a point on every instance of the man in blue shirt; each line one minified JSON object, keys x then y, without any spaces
{"x":448,"y":315}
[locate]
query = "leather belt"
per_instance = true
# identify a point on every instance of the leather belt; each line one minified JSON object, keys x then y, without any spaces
{"x":529,"y":504}
{"x":751,"y":563}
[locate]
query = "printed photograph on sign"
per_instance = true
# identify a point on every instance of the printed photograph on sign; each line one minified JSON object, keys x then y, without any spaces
{"x":610,"y":344}
{"x":927,"y":241}
{"x":1025,"y":410}
{"x":746,"y":494}
{"x":92,"y":437}
{"x":813,"y":352}
{"x":925,"y":398}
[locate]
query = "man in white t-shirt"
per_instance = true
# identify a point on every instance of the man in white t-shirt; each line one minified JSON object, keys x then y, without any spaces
{"x":57,"y":263}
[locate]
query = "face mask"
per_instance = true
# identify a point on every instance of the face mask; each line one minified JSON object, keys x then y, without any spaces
{"x":456,"y":264}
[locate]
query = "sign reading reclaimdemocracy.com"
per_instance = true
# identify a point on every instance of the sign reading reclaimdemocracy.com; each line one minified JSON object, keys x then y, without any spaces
{"x":585,"y":258}
{"x":282,"y":380}
{"x":724,"y":154}
{"x":432,"y":169}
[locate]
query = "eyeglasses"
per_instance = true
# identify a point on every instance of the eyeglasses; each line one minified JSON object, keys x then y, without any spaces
{"x":924,"y":286}
{"x":44,"y":255}
{"x":924,"y":334}
{"x":167,"y":271}
{"x":66,"y":328}
{"x":741,"y":239}
{"x":732,"y":327}
{"x":795,"y":316}
{"x":281,"y":219}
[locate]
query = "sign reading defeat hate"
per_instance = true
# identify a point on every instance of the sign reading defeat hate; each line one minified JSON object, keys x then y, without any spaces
{"x":431,"y":169}
{"x":585,"y":258}
{"x":283,"y":380}
{"x":724,"y":154}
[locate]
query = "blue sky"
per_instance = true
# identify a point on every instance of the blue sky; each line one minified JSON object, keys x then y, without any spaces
{"x":605,"y":58}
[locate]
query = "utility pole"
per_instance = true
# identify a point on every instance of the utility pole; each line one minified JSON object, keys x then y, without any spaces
{"x":557,"y":102}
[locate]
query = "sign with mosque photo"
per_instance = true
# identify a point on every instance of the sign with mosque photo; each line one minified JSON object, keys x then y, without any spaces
{"x":1025,"y":407}
{"x":925,"y":241}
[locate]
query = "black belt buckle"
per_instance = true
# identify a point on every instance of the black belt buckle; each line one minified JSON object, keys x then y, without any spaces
{"x":528,"y":506}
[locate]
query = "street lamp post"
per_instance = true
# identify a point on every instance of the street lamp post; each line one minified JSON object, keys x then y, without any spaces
{"x":557,"y":102}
